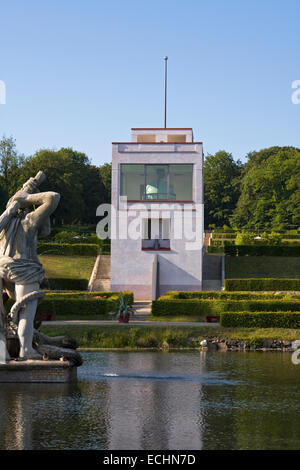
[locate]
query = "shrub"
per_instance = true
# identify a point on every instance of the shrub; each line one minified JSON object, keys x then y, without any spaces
{"x":197,"y":307}
{"x":215,"y":249}
{"x":65,"y":237}
{"x":260,"y":319}
{"x":225,"y":295}
{"x":79,"y":304}
{"x":250,"y":238}
{"x":78,"y":307}
{"x":222,"y":236}
{"x":65,"y":284}
{"x":262,"y":284}
{"x":82,"y":303}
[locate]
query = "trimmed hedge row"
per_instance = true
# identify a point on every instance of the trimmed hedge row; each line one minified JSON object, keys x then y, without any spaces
{"x":262,"y":250}
{"x":79,"y":304}
{"x":223,"y":295}
{"x":68,"y":249}
{"x":260,"y":319}
{"x":215,"y":249}
{"x":221,"y":242}
{"x":224,"y":236}
{"x":262,"y":284}
{"x":78,"y":307}
{"x":65,"y":284}
{"x":192,"y":307}
{"x":82,"y":303}
{"x":291,"y":237}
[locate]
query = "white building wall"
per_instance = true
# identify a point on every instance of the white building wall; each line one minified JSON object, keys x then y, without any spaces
{"x":131,"y":267}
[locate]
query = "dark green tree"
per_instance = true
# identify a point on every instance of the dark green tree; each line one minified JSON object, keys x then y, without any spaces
{"x":10,"y":166}
{"x":105,"y":174}
{"x":94,"y":194}
{"x":67,"y":173}
{"x":270,"y":190}
{"x":221,"y":187}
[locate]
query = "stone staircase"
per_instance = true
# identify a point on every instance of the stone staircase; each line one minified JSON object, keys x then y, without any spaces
{"x":142,"y":309}
{"x":100,"y":280}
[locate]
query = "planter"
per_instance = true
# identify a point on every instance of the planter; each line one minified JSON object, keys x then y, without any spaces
{"x":122,"y":319}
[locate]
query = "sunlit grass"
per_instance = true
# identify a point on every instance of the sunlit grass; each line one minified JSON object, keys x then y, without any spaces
{"x":152,"y":336}
{"x":74,"y":267}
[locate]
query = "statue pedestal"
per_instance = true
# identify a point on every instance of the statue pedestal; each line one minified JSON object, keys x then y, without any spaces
{"x":38,"y":372}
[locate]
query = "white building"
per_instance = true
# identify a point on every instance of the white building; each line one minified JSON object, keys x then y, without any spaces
{"x":157,"y":196}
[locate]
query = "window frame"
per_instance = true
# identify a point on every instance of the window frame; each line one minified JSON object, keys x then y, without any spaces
{"x":146,"y":165}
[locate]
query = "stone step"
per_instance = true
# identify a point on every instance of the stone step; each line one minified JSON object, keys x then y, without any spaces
{"x":101,"y":285}
{"x":142,"y":309}
{"x":104,"y":267}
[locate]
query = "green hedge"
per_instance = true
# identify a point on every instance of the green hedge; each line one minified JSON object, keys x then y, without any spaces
{"x":192,"y":307}
{"x":68,"y":249}
{"x":260,"y":319}
{"x":225,"y":295}
{"x":291,"y":237}
{"x":215,"y":249}
{"x":65,"y":284}
{"x":262,"y":284}
{"x":77,"y":307}
{"x":90,"y":295}
{"x":79,"y":304}
{"x":262,"y":250}
{"x":177,"y":308}
{"x":221,"y":242}
{"x":224,"y":236}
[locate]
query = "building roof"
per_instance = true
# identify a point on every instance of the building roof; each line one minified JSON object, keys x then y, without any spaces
{"x":161,"y":128}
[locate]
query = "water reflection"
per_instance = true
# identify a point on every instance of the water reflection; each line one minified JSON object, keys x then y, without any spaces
{"x":156,"y":400}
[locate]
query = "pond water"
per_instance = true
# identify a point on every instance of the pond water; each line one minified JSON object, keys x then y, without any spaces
{"x":159,"y":400}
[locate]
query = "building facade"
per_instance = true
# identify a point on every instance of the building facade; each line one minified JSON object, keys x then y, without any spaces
{"x":157,"y":212}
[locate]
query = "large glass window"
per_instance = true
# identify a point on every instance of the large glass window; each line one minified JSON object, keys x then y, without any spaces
{"x":171,"y":182}
{"x":181,"y":181}
{"x":157,"y":182}
{"x":133,"y":182}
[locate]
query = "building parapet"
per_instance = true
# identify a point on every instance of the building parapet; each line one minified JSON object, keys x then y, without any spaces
{"x":161,"y":147}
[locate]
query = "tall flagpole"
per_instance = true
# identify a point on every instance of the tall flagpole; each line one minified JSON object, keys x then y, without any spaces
{"x":166,"y":61}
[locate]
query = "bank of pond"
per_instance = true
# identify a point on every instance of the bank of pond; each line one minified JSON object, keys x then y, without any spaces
{"x":130,"y":336}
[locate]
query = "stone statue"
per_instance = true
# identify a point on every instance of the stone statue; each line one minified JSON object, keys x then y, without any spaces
{"x":27,"y":214}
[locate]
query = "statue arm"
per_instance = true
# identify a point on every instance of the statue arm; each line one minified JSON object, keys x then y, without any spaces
{"x":47,"y":202}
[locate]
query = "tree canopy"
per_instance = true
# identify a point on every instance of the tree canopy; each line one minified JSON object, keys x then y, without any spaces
{"x":221,"y":187}
{"x":68,"y":172}
{"x":270,"y":190}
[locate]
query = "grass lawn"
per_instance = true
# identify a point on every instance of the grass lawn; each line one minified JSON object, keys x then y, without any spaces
{"x":178,"y":318}
{"x":131,"y":336}
{"x":243,"y":267}
{"x":74,"y":267}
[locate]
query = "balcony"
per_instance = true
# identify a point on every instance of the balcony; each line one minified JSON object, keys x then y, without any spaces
{"x":155,"y":245}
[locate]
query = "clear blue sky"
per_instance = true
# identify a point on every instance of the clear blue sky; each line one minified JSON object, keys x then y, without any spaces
{"x":81,"y":73}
